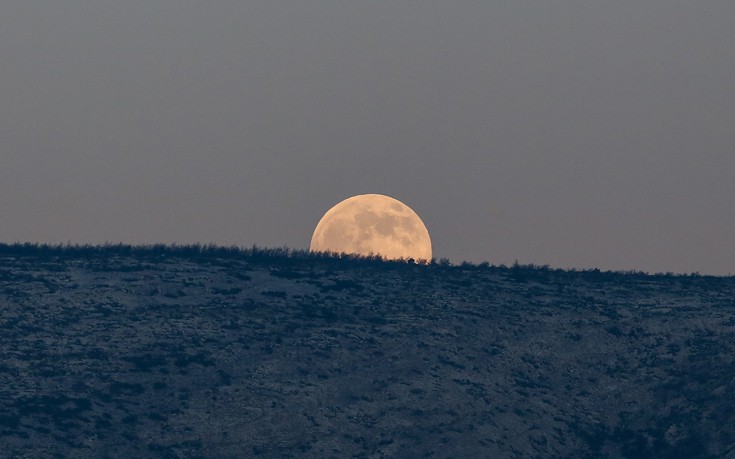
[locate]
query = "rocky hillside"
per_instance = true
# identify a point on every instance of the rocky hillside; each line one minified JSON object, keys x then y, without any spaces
{"x":206,"y":352}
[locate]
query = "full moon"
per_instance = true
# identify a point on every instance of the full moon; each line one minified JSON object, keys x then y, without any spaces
{"x":373,"y":224}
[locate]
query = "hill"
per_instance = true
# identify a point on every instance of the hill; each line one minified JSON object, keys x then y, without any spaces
{"x":213,"y":352}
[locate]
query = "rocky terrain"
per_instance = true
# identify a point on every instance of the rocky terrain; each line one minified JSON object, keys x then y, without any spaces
{"x":209,"y":352}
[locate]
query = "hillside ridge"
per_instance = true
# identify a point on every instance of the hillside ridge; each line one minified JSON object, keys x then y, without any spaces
{"x":203,"y":351}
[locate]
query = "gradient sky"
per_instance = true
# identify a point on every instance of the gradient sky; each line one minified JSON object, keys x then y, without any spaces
{"x":574,"y":133}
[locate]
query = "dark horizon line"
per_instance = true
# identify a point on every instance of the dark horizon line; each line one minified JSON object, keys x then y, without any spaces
{"x":256,"y":252}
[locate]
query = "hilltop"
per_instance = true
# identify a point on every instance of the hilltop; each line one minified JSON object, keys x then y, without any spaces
{"x":192,"y":351}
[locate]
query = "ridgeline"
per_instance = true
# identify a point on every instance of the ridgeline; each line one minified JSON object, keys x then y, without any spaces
{"x":205,"y":351}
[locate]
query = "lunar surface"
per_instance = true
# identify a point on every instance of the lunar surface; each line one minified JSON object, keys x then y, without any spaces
{"x":373,"y":224}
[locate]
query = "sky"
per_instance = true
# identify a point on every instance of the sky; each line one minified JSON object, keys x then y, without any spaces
{"x":573,"y":133}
